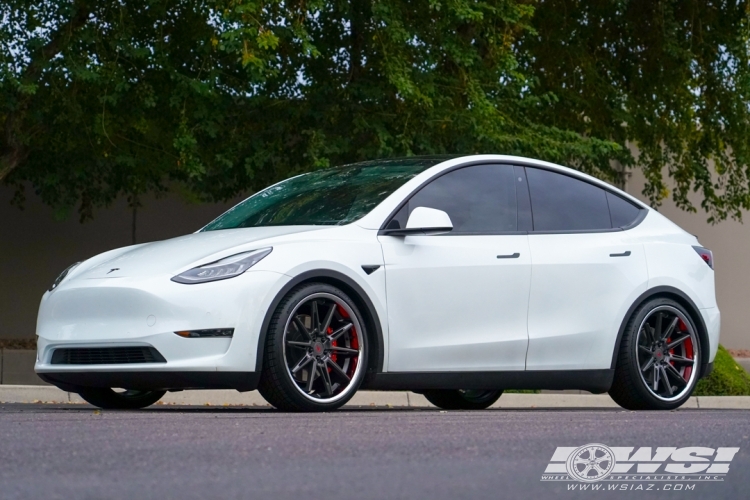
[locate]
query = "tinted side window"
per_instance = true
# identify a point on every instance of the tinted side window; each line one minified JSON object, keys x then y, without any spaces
{"x":563,"y":203}
{"x":622,"y":212}
{"x":479,"y":199}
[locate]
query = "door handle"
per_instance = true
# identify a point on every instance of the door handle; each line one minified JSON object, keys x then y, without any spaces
{"x":623,"y":254}
{"x":510,"y":256}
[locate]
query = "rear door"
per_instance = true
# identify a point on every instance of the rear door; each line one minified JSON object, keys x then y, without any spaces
{"x":458,"y":301}
{"x":588,"y":269}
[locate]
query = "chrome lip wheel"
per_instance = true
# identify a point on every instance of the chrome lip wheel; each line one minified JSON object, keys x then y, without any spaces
{"x":323,"y":347}
{"x":668,"y":355}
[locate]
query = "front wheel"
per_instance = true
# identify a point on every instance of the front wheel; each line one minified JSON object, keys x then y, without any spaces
{"x":315,"y":351}
{"x":659,"y":360}
{"x":463,"y":399}
{"x":109,"y":399}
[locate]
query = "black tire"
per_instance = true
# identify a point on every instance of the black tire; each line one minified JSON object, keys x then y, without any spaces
{"x":108,"y":399}
{"x":277,"y":384}
{"x":629,"y":389}
{"x":462,"y":399}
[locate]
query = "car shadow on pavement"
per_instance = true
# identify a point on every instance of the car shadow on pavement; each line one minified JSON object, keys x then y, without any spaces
{"x":237,"y":409}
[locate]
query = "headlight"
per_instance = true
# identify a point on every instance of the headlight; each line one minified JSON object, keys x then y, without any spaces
{"x":63,"y":275}
{"x":223,"y":269}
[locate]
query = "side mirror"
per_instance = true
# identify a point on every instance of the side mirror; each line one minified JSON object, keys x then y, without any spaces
{"x":424,"y":220}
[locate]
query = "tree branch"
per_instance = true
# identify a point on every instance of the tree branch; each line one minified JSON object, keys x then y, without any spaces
{"x":13,"y":150}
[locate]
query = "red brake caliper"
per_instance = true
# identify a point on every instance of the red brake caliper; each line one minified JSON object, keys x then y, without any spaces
{"x":334,"y":343}
{"x":688,"y":350}
{"x":354,"y":342}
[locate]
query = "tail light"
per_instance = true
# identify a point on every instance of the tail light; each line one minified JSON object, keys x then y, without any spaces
{"x":706,"y":255}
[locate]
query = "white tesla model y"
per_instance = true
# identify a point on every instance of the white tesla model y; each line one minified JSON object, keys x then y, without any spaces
{"x":456,"y":278}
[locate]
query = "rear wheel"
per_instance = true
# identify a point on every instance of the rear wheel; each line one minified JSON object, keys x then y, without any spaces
{"x":110,"y":399}
{"x":463,"y":399}
{"x":315,"y":351}
{"x":659,"y":359}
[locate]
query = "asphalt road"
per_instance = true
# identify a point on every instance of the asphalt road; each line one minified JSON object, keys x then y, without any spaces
{"x":76,"y":452}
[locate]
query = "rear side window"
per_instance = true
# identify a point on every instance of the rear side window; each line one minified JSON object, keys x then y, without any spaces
{"x":622,"y":212}
{"x":479,"y":200}
{"x":563,"y":203}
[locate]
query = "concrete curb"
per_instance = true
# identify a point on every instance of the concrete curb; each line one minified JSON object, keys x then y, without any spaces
{"x":49,"y":394}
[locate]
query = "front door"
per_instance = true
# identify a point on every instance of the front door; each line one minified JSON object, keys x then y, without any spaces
{"x":458,"y":301}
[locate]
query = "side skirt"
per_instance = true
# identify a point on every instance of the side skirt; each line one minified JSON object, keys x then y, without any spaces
{"x":596,"y":381}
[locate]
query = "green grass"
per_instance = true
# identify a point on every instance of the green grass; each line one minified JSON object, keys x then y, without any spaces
{"x":727,"y":379}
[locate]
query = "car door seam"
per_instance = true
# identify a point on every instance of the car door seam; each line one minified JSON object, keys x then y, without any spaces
{"x":528,"y":301}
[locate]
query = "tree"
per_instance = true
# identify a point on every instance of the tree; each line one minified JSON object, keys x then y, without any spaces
{"x":671,"y":77}
{"x":218,"y":97}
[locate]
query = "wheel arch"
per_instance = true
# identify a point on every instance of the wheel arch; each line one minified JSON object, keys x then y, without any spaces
{"x":681,"y":298}
{"x":354,"y":291}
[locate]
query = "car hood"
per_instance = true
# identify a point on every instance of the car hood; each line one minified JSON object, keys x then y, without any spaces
{"x":176,"y":254}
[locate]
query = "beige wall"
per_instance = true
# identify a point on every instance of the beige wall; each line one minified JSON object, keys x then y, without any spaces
{"x":34,"y":249}
{"x":730,"y":243}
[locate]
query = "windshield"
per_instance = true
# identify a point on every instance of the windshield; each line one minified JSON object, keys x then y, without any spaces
{"x":332,"y":196}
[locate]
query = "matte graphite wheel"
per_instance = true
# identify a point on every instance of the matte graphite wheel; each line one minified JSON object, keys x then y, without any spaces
{"x":659,"y":359}
{"x":315,"y":351}
{"x":464,"y":399}
{"x":109,"y":399}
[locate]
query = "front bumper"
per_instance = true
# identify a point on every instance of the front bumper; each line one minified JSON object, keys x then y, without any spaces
{"x":130,"y":312}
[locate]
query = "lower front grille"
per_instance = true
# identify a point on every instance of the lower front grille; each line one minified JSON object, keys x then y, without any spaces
{"x":106,"y":356}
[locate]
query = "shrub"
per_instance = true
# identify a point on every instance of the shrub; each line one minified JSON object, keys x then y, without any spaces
{"x":727,"y":379}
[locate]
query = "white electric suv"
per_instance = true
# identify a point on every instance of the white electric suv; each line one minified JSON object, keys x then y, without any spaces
{"x":453,"y":277}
